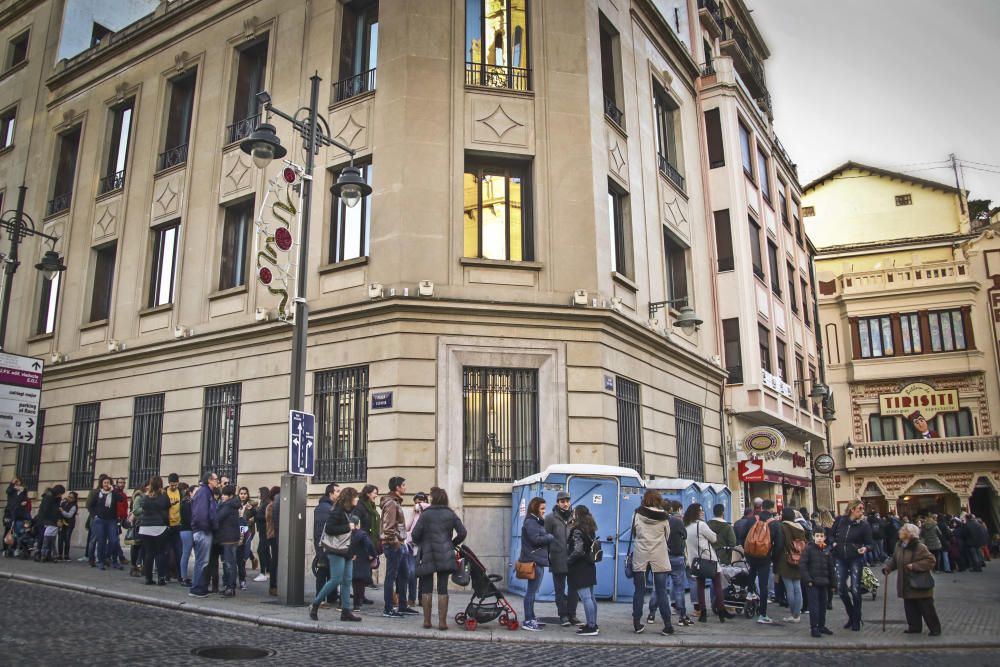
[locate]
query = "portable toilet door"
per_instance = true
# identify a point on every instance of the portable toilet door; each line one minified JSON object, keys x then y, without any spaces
{"x":522,"y":493}
{"x":706,"y":496}
{"x":724,"y":496}
{"x":600,"y":495}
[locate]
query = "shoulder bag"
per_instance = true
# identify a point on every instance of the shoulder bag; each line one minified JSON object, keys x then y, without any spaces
{"x":706,"y":568}
{"x":339,"y":545}
{"x":629,"y":570}
{"x":921,"y":581}
{"x":524,"y":569}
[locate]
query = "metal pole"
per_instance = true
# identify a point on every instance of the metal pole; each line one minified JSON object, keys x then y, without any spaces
{"x":11,"y":263}
{"x":292,"y":526}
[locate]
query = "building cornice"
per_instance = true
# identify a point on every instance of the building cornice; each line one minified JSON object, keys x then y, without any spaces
{"x":16,"y":10}
{"x":888,"y":245}
{"x":668,"y":40}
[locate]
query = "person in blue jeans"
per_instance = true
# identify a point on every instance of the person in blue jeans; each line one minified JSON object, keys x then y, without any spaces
{"x":581,"y":569}
{"x":393,"y":535}
{"x":650,"y":532}
{"x":203,"y":508}
{"x":852,"y":539}
{"x":677,"y":577}
{"x":187,"y":537}
{"x":535,"y":548}
{"x":336,"y":543}
{"x":103,"y":508}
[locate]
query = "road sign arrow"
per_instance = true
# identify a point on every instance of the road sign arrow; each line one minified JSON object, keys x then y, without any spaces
{"x":31,"y":423}
{"x":36,"y":366}
{"x":9,"y":435}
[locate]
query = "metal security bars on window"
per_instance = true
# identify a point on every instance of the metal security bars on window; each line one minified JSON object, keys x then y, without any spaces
{"x":690,"y":457}
{"x":341,"y":406}
{"x":83,"y":456}
{"x":29,"y":456}
{"x":147,"y":436}
{"x":220,"y":430}
{"x":629,"y":425}
{"x":500,"y":424}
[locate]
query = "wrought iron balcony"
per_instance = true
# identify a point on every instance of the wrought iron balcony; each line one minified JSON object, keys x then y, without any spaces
{"x":111,"y":182}
{"x":736,"y":45}
{"x":241,"y":129}
{"x":172,"y":157}
{"x":59,"y":203}
{"x":497,"y":76}
{"x":669,"y":171}
{"x":711,"y":16}
{"x":967,"y":449}
{"x":708,"y":69}
{"x":612,"y":111}
{"x":352,"y":86}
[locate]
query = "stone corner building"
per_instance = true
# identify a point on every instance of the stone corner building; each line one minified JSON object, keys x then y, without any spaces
{"x":537,"y":169}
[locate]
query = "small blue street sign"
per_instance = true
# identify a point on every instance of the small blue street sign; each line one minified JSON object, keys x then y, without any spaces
{"x":301,"y":443}
{"x":381,"y":400}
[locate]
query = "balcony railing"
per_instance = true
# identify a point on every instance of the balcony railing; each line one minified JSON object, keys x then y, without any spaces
{"x":241,"y":129}
{"x":497,"y":76}
{"x":353,"y":86}
{"x":776,"y":383}
{"x":670,"y":171}
{"x":172,"y":157}
{"x":968,"y":449}
{"x":711,"y":7}
{"x":612,"y":111}
{"x":907,"y":277}
{"x":747,"y":62}
{"x":59,"y":203}
{"x":342,"y":469}
{"x":111,"y":182}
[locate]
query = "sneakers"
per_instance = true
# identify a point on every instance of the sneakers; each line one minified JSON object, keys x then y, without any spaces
{"x":650,"y":619}
{"x":530,"y":626}
{"x":588,"y":631}
{"x":193,"y":594}
{"x":565,"y":622}
{"x":685,"y":621}
{"x":791,"y":619}
{"x":261,"y":577}
{"x":637,"y":626}
{"x":826,"y":631}
{"x":243,"y":585}
{"x":391,"y":613}
{"x":764,"y":620}
{"x":667,"y":630}
{"x":228,"y":593}
{"x":816,"y":633}
{"x":573,"y":620}
{"x":408,"y":611}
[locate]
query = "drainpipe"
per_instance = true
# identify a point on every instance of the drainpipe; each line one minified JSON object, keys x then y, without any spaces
{"x":828,"y":446}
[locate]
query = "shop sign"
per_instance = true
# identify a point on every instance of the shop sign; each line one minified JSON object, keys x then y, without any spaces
{"x":824,"y":464}
{"x":798,"y":461}
{"x":751,"y":471}
{"x":918,"y":397}
{"x":764,"y":442}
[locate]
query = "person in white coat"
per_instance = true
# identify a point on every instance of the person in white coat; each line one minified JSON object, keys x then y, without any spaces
{"x":700,"y":538}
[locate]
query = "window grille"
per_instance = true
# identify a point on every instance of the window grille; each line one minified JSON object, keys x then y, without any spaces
{"x":690,"y":454}
{"x":341,"y":406}
{"x":220,"y":430}
{"x":29,"y":456}
{"x":147,"y":437}
{"x":83,"y":456}
{"x":500,"y":424}
{"x":629,"y":425}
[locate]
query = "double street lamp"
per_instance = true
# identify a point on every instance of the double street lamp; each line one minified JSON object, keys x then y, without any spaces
{"x":263,"y":146}
{"x":19,"y":225}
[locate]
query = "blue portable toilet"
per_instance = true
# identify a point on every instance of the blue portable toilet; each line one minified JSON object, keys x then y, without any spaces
{"x":706,"y":494}
{"x":685,"y":491}
{"x":611,"y":494}
{"x":724,"y":496}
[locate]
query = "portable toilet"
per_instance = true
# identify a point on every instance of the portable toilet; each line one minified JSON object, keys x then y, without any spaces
{"x":685,"y":491}
{"x":706,"y":495}
{"x":611,"y":494}
{"x":724,"y":496}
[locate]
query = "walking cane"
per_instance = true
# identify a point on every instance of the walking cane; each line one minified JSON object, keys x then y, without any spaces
{"x":885,"y":599}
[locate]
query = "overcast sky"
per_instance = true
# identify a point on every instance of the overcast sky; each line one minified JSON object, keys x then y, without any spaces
{"x":898,"y":84}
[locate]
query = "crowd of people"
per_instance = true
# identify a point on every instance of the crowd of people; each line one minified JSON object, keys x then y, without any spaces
{"x":794,"y":559}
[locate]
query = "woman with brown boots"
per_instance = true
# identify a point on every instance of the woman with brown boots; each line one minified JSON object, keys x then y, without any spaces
{"x":435,"y":537}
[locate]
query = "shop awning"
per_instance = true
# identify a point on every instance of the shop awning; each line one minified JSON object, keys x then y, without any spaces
{"x":786,"y":479}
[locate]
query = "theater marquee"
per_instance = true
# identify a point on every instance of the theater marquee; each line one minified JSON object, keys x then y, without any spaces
{"x":918,"y":396}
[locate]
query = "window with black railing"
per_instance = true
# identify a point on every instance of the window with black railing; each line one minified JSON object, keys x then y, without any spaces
{"x":496,"y":44}
{"x":690,"y":436}
{"x":29,"y":456}
{"x":499,"y":424}
{"x":354,"y":85}
{"x":665,"y":111}
{"x":630,"y":454}
{"x":65,"y":171}
{"x":179,"y":113}
{"x":611,"y":72}
{"x":251,"y":65}
{"x":220,"y":430}
{"x":358,"y":49}
{"x":83,"y":454}
{"x":117,"y":158}
{"x":340,"y":403}
{"x":147,"y":437}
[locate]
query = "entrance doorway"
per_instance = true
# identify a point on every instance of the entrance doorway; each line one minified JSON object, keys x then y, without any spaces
{"x":874,"y":500}
{"x":926,"y":496}
{"x":983,"y":503}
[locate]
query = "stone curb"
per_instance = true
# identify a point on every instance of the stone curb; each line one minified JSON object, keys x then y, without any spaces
{"x":508,"y":637}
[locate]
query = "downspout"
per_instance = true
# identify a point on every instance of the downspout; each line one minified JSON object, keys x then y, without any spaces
{"x":821,"y":360}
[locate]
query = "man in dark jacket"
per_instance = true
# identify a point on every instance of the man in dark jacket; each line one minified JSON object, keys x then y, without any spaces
{"x":742,"y":526}
{"x":760,"y":566}
{"x":816,"y":571}
{"x":104,"y":510}
{"x":47,"y":521}
{"x":227,"y":535}
{"x":320,"y":515}
{"x":557,"y":525}
{"x":203,"y":509}
{"x":725,"y":536}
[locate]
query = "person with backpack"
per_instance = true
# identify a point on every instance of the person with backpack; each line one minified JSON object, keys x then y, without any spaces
{"x":761,"y":547}
{"x":584,"y":550}
{"x":816,"y":576}
{"x":793,"y":539}
{"x":700,"y":539}
{"x":852,"y":540}
{"x":648,"y":551}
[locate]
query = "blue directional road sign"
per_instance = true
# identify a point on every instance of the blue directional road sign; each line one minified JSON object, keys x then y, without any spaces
{"x":301,"y":443}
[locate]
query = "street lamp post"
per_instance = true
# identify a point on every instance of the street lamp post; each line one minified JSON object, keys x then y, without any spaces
{"x":18,"y":225}
{"x":263,"y":145}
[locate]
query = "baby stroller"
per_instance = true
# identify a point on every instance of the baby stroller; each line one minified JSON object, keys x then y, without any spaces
{"x":487,"y":601}
{"x":739,"y":592}
{"x":869,"y":582}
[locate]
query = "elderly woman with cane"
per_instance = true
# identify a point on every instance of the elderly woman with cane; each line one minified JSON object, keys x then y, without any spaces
{"x":915,"y":584}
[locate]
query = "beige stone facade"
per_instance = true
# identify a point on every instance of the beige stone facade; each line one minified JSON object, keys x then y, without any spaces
{"x":558,"y":311}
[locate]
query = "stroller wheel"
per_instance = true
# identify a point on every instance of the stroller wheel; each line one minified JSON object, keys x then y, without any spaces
{"x":460,"y":618}
{"x":470,"y":624}
{"x":502,"y":620}
{"x":513,"y":625}
{"x":750,"y":608}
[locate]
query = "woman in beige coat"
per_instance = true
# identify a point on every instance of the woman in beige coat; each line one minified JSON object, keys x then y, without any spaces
{"x":650,"y":530}
{"x":914,"y":560}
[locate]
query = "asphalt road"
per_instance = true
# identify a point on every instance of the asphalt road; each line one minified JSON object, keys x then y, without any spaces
{"x":42,"y":625}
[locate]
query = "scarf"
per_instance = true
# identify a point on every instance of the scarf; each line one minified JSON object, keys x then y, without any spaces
{"x":106,"y":496}
{"x":565,"y":515}
{"x":373,"y":512}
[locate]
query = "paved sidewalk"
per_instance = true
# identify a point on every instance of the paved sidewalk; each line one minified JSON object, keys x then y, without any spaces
{"x":966,"y":603}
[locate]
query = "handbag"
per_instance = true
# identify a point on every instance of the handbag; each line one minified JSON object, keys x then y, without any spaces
{"x":336,"y":544}
{"x":462,"y":574}
{"x":524,"y":569}
{"x":705,"y":568}
{"x":629,"y":570}
{"x":921,"y":581}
